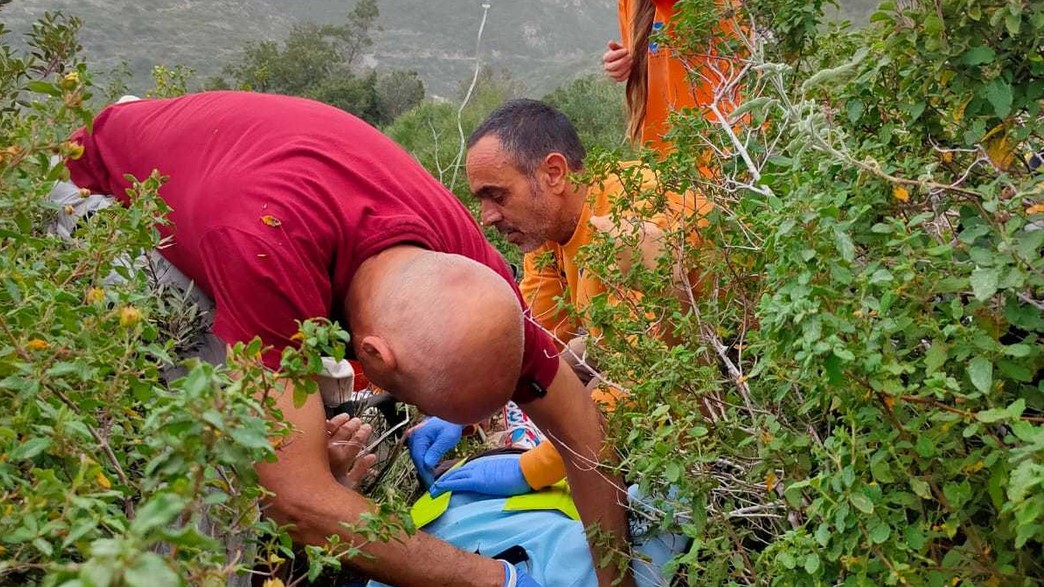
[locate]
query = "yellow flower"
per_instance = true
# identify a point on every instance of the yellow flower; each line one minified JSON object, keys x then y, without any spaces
{"x":274,"y":583}
{"x":37,"y":345}
{"x":129,"y":316}
{"x":270,"y":220}
{"x":72,"y":150}
{"x":95,"y":295}
{"x":770,"y":481}
{"x":102,"y":480}
{"x":901,"y":193}
{"x":1035,"y":209}
{"x":71,"y":80}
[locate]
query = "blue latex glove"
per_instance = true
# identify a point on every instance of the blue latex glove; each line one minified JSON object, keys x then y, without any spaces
{"x":518,"y":578}
{"x":499,"y":475}
{"x":428,"y":442}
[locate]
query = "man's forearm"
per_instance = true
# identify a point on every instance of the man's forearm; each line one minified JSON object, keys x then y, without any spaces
{"x":574,"y":425}
{"x":310,"y":501}
{"x":599,"y":502}
{"x":404,"y":560}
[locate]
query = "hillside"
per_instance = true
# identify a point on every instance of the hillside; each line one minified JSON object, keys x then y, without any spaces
{"x":540,"y":41}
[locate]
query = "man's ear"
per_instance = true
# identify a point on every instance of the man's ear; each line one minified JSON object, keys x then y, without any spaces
{"x":378,"y":352}
{"x":556,"y":170}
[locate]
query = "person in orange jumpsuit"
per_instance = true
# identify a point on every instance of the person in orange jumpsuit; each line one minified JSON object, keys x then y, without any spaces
{"x":657,"y":77}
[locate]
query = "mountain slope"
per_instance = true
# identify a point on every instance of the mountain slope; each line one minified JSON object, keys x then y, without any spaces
{"x":542,"y":42}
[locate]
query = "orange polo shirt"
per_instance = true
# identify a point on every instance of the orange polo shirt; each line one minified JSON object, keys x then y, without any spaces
{"x":562,"y":277}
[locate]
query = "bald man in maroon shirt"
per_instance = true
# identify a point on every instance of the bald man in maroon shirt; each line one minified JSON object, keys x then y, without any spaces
{"x":285,"y":209}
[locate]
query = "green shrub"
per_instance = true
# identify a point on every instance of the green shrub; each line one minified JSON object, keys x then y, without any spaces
{"x":109,"y":475}
{"x":857,"y":397}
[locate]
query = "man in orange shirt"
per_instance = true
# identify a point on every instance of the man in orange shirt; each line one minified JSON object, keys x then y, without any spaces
{"x":520,"y":163}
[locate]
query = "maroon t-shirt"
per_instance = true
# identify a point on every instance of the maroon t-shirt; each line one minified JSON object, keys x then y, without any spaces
{"x":276,"y":201}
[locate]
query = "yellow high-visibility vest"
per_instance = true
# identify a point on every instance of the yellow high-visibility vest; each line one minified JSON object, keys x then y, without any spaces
{"x":556,"y":497}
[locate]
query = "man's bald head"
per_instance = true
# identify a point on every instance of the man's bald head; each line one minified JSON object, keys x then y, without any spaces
{"x":439,"y":331}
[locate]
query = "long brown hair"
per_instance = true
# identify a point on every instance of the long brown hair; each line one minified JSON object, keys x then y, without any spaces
{"x":638,"y":81}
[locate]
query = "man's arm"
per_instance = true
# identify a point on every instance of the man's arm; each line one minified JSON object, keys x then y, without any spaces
{"x":568,"y":417}
{"x":541,"y":286}
{"x":309,"y":498}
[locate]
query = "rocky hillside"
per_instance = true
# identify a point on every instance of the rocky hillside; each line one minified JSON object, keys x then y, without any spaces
{"x":542,"y":42}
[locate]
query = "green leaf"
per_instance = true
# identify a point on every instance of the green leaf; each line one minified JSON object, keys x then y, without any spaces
{"x":42,"y":87}
{"x":933,"y":25}
{"x":881,"y":469}
{"x":935,"y":357}
{"x":998,"y":92}
{"x":812,"y":563}
{"x":925,"y":446}
{"x":920,"y":488}
{"x":673,"y":472}
{"x":251,"y":437}
{"x":844,"y":244}
{"x":300,"y":395}
{"x":80,"y":529}
{"x":159,"y":511}
{"x":1018,"y":350}
{"x":980,"y":371}
{"x":150,"y":570}
{"x":1016,"y":370}
{"x":984,"y":282}
{"x":30,"y":449}
{"x":1028,"y":243}
{"x":862,"y":503}
{"x":881,"y":276}
{"x":1025,"y":480}
{"x":823,"y":535}
{"x":880,"y":532}
{"x":999,"y":414}
{"x":1013,"y":22}
{"x":844,"y":354}
{"x":916,"y":110}
{"x":832,"y":366}
{"x":698,"y":431}
{"x":855,"y":109}
{"x":978,"y":56}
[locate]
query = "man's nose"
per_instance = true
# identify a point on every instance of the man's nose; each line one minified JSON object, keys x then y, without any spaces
{"x":489,"y":213}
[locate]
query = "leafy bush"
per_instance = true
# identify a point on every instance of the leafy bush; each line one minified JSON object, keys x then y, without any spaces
{"x":110,"y":475}
{"x":856,"y":396}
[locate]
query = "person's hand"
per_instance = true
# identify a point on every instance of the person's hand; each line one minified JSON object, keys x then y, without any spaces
{"x":516,"y":577}
{"x":499,"y":475}
{"x":428,"y":442}
{"x":347,"y":437}
{"x":617,"y":62}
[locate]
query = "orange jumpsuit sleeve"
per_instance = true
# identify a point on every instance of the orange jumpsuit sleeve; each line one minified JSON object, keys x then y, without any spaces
{"x":623,"y":16}
{"x":541,"y":286}
{"x":543,"y":466}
